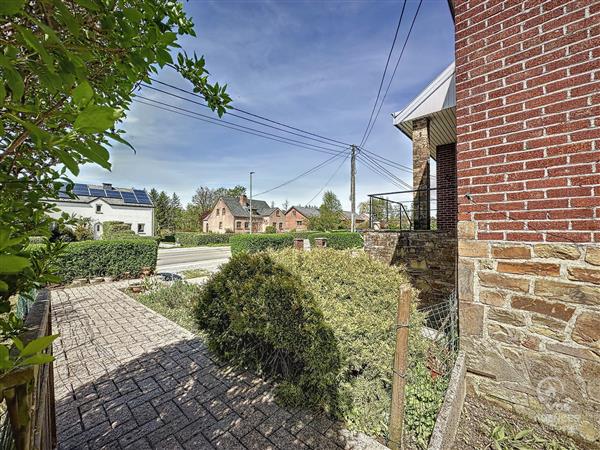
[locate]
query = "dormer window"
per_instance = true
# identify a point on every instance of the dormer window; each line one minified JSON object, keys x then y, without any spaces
{"x":98,"y":209}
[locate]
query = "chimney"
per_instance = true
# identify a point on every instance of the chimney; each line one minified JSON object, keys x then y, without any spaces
{"x":243,"y":200}
{"x":107,"y":186}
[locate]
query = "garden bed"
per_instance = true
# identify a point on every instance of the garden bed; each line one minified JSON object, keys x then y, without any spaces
{"x":486,"y":425}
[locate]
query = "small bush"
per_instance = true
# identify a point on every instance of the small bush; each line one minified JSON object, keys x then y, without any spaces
{"x":253,"y":243}
{"x":88,"y":259}
{"x":191,"y":239}
{"x":270,"y":229}
{"x":323,"y":324}
{"x":259,"y":315}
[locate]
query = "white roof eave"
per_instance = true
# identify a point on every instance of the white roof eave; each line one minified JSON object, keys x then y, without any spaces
{"x":440,"y":94}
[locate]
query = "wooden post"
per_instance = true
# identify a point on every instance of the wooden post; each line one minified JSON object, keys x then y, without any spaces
{"x":400,"y":365}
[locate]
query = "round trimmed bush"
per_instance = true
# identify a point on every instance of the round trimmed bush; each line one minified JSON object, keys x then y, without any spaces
{"x":259,"y":315}
{"x":322,"y":323}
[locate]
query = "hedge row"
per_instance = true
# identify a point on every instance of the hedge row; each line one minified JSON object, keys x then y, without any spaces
{"x":191,"y":239}
{"x":253,"y":243}
{"x":89,"y":259}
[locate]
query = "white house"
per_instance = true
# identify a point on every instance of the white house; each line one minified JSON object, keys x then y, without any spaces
{"x":105,"y":203}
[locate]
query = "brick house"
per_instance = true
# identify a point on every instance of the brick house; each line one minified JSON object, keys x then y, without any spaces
{"x":513,"y":129}
{"x":232,"y":214}
{"x":297,"y":217}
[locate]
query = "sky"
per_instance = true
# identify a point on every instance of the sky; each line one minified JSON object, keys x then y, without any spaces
{"x":315,"y":65}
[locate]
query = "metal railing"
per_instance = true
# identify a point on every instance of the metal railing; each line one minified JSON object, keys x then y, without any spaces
{"x":406,"y":210}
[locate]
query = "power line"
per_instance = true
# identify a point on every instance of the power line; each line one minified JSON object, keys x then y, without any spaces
{"x":344,"y":144}
{"x":330,"y":178}
{"x":387,"y":62}
{"x":241,"y":117}
{"x":385,"y":170}
{"x":312,"y":169}
{"x":390,"y":163}
{"x":394,"y":72}
{"x":378,"y":172}
{"x":239,"y":127}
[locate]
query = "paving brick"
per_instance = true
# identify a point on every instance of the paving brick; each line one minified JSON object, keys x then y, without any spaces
{"x":128,"y":378}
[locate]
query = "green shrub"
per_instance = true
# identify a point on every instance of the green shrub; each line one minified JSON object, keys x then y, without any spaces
{"x":259,"y":315}
{"x":323,"y":324}
{"x":270,"y":229}
{"x":253,"y":243}
{"x":106,"y":258}
{"x":191,"y":239}
{"x":339,"y":240}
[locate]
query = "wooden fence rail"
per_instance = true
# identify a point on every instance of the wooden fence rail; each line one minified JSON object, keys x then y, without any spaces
{"x":29,"y":391}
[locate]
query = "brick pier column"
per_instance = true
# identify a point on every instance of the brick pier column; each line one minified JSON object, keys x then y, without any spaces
{"x":420,"y":139}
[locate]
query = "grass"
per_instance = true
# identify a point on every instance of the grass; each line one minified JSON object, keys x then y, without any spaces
{"x":194,"y":273}
{"x":175,"y":302}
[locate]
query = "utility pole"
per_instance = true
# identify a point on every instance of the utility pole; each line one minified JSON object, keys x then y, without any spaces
{"x":353,"y":189}
{"x":251,"y":202}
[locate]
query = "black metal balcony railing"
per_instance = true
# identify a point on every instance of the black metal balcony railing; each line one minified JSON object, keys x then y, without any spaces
{"x":412,"y":210}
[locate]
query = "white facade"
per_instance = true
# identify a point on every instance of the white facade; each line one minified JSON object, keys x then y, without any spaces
{"x":141,"y":218}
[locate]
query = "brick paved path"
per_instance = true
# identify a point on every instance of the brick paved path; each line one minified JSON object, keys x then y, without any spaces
{"x":127,"y":377}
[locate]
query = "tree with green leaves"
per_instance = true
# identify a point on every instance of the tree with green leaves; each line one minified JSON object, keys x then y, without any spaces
{"x":331,"y":215}
{"x":68,"y":73}
{"x":175,"y":212}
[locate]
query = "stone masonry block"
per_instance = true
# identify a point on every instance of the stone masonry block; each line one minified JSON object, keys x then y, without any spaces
{"x":473,"y":249}
{"x":511,"y":252}
{"x":587,"y":330}
{"x":583,"y":274}
{"x":560,"y":251}
{"x":568,"y":292}
{"x":495,"y":280}
{"x":529,"y":268}
{"x":592,"y":256}
{"x":556,"y":310}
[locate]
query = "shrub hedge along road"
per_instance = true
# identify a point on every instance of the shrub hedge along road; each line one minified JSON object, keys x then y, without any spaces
{"x":258,"y":242}
{"x":191,"y":239}
{"x":88,"y":259}
{"x":322,"y":324}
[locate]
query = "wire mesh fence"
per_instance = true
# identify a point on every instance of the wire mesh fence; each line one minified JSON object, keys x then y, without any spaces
{"x":429,"y":370}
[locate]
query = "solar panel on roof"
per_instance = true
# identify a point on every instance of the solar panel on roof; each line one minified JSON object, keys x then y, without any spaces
{"x":142,"y":197}
{"x":97,"y":193}
{"x":113,"y":194}
{"x":81,"y":189}
{"x":128,"y":197}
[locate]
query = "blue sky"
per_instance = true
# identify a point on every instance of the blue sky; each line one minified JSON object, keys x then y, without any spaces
{"x":315,"y":65}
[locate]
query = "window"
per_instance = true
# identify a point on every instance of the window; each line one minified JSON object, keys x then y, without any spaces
{"x":277,"y":213}
{"x":293,"y":212}
{"x":98,"y":209}
{"x":281,"y":225}
{"x":298,"y":222}
{"x":220,"y":225}
{"x":223,"y":212}
{"x":246,"y":225}
{"x":218,"y":211}
{"x":238,"y":225}
{"x":140,"y":228}
{"x":206,"y":227}
{"x":98,"y":228}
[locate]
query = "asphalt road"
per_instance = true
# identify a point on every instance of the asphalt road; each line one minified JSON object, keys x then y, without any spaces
{"x":178,"y":259}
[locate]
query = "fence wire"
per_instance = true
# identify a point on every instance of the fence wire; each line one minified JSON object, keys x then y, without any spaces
{"x":429,"y":371}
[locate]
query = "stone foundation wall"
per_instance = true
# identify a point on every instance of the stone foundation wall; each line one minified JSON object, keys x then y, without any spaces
{"x":530,"y":324}
{"x":429,"y":258}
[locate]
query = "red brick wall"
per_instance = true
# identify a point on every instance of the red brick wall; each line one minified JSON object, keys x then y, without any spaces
{"x":446,"y":187}
{"x":528,"y":113}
